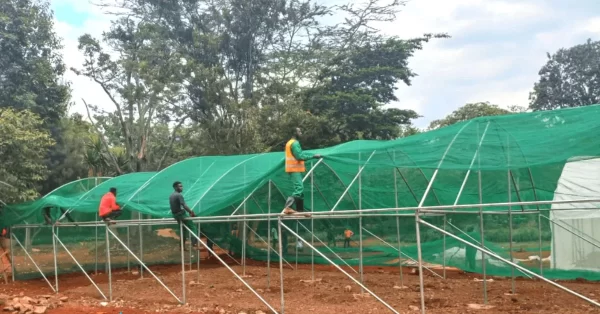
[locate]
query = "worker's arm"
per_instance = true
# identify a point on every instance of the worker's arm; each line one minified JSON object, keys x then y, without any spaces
{"x":113,"y":204}
{"x":299,"y":154}
{"x":182,"y":202}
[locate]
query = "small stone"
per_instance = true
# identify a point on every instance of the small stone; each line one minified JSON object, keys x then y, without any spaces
{"x":480,"y":306}
{"x":400,"y":287}
{"x":242,"y":312}
{"x":9,"y":308}
{"x":222,"y":311}
{"x":229,"y":305}
{"x":39,"y":309}
{"x":239,"y":290}
{"x":413,"y":308}
{"x":348,"y":288}
{"x":259,"y":312}
{"x":104,"y":303}
{"x":26,"y":300}
{"x":64,"y":299}
{"x":260,"y":290}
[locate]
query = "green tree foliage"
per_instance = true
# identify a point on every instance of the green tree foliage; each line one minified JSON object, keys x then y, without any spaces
{"x":23,"y":148}
{"x":30,"y":63}
{"x":570,"y":78}
{"x":74,"y":137}
{"x":143,"y":85}
{"x":471,"y":111}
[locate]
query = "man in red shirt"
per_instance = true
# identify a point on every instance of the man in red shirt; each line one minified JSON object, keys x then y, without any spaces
{"x":109,"y":209}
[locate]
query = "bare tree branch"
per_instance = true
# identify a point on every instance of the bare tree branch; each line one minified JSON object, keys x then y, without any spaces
{"x":104,"y":143}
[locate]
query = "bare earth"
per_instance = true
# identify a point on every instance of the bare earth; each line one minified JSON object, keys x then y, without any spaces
{"x":218,"y":291}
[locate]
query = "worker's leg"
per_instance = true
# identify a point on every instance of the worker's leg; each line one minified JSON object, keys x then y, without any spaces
{"x":192,"y":226}
{"x":298,"y":193}
{"x":67,"y":214}
{"x":46,"y":214}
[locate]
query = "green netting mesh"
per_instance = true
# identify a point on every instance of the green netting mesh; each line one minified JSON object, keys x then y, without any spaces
{"x":518,"y":158}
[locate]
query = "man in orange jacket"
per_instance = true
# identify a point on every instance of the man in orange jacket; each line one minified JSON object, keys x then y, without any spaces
{"x":294,"y":167}
{"x":109,"y":209}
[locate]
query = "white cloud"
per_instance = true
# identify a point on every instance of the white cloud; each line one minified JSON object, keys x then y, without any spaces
{"x":96,"y":23}
{"x":496,"y":50}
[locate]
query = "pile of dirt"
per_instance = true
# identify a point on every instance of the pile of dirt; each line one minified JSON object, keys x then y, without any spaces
{"x":22,"y":304}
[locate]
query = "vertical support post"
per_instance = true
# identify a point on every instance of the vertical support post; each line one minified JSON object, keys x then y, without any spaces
{"x":540,"y":242}
{"x":198,"y":259}
{"x":480,"y":192}
{"x":244,"y":233}
{"x":55,"y":259}
{"x":182,"y":244}
{"x":360,"y":225}
{"x":269,"y":237}
{"x":141,"y":249}
{"x":398,"y":224}
{"x":420,"y":258}
{"x":312,"y":221}
{"x":96,"y":249}
{"x":279,"y":222}
{"x":108,"y":265}
{"x":128,"y":245}
{"x":297,"y":241}
{"x":510,"y":217}
{"x":12,"y":255}
{"x":444,"y":252}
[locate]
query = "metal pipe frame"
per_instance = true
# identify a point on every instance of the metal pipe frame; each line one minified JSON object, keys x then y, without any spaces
{"x":336,"y":266}
{"x":230,"y":269}
{"x":510,"y":263}
{"x":326,"y":246}
{"x":57,"y":239}
{"x":353,"y":180}
{"x":31,"y":259}
{"x":108,"y":231}
{"x":475,"y":240}
{"x":581,"y":235}
{"x":269,"y":247}
{"x":393,"y":247}
{"x":436,"y":209}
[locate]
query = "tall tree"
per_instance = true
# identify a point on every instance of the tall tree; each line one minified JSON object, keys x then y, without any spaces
{"x":31,"y":65}
{"x":23,"y":147}
{"x":570,"y":78}
{"x":471,"y":111}
{"x":143,"y":85}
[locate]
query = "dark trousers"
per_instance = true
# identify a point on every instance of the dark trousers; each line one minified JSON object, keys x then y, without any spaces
{"x":112,"y":215}
{"x":190,"y":224}
{"x":346,"y":242}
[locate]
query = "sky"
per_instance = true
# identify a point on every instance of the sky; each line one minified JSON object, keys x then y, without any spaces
{"x":495,"y":52}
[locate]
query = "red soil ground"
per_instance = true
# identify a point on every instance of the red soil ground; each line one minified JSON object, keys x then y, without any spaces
{"x":218,"y":291}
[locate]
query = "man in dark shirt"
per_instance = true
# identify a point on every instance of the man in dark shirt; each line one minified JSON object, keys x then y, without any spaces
{"x":47,"y":213}
{"x":178,"y":209}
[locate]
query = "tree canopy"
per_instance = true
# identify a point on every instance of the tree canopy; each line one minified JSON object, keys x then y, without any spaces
{"x":570,"y":78}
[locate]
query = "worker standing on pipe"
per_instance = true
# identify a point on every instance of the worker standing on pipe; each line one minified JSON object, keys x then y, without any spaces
{"x":294,"y":166}
{"x":178,"y":209}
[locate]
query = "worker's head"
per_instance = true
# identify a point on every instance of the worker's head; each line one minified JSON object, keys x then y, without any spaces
{"x":113,"y":191}
{"x":297,"y":132}
{"x":177,"y":186}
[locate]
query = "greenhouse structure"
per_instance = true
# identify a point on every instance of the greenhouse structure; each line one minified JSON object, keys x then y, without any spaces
{"x":468,"y":196}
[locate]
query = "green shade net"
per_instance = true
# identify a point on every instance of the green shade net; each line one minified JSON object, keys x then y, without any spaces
{"x":518,"y":158}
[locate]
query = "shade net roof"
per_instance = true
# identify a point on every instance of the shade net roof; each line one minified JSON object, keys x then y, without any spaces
{"x":516,"y":157}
